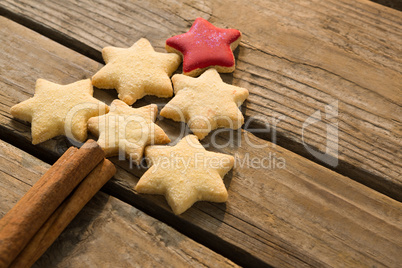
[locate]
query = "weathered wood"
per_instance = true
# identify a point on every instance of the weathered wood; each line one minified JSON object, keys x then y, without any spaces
{"x":107,"y":232}
{"x":296,"y":214}
{"x":296,"y":57}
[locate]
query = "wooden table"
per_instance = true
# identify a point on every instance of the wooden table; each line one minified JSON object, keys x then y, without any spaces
{"x":298,"y":58}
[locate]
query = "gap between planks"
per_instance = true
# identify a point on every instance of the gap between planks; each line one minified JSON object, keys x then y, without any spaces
{"x":50,"y":154}
{"x":355,"y":165}
{"x":303,"y":215}
{"x":101,"y":225}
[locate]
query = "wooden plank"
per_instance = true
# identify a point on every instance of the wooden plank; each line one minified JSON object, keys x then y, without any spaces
{"x":296,"y":214}
{"x":296,"y":58}
{"x":107,"y":232}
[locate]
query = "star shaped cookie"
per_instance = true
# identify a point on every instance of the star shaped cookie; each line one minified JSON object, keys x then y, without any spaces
{"x":185,"y":173}
{"x":137,"y":71}
{"x":59,"y":110}
{"x":205,"y":103}
{"x":127,"y":130}
{"x":204,"y":46}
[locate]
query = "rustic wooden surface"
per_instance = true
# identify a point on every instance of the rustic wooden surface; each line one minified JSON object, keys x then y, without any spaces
{"x":301,"y":215}
{"x":107,"y":232}
{"x":296,"y":57}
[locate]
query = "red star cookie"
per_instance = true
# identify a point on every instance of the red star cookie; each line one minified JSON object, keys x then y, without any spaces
{"x":204,"y":46}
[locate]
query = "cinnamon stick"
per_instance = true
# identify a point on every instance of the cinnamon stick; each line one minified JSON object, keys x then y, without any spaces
{"x":65,"y":214}
{"x":21,"y":223}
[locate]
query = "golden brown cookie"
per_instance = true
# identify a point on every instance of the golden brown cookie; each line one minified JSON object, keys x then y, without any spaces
{"x":137,"y":71}
{"x":205,"y":103}
{"x":185,"y":173}
{"x":127,"y":130}
{"x":59,"y":110}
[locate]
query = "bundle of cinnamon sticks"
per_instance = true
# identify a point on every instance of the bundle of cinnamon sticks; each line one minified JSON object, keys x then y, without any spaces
{"x":33,"y":224}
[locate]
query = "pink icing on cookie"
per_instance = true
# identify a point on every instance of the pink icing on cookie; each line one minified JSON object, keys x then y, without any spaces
{"x":205,"y":45}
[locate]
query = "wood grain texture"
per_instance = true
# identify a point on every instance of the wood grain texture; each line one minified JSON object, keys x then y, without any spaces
{"x":296,"y":57}
{"x":107,"y":232}
{"x":296,"y":214}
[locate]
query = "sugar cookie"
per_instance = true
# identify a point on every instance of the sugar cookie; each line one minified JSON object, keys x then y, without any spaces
{"x":59,"y":110}
{"x":204,"y":46}
{"x":127,"y":130}
{"x":205,"y":103}
{"x":137,"y":71}
{"x":185,"y":173}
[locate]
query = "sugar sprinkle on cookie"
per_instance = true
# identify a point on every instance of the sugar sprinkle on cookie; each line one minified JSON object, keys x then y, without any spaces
{"x":137,"y":71}
{"x":185,"y":173}
{"x":205,"y":46}
{"x":127,"y":130}
{"x":205,"y":103}
{"x":59,"y":110}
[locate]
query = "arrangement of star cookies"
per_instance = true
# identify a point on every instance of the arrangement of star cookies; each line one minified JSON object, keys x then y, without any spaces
{"x":184,"y":173}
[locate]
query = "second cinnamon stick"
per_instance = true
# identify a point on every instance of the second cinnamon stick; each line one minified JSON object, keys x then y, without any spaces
{"x":21,"y":223}
{"x":65,"y":214}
